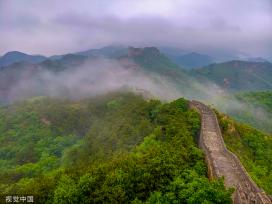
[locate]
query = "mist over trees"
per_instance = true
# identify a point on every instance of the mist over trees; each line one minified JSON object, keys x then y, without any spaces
{"x":117,"y":148}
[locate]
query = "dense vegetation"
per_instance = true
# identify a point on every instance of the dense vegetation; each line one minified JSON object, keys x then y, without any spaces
{"x":259,"y":99}
{"x":191,"y":60}
{"x":117,"y":148}
{"x":151,"y":59}
{"x":238,"y":75}
{"x":259,"y":109}
{"x":253,"y":148}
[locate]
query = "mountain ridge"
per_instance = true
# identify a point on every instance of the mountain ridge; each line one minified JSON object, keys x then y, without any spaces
{"x":238,"y":75}
{"x":16,"y":56}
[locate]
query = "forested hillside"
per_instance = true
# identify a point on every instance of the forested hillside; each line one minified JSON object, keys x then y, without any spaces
{"x":258,"y":99}
{"x":191,"y":60}
{"x":117,"y":148}
{"x":253,"y":148}
{"x":15,"y":56}
{"x":261,"y":103}
{"x":238,"y":75}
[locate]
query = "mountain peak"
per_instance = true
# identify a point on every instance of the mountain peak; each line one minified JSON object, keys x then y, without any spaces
{"x":16,"y":56}
{"x":132,"y":52}
{"x":14,"y":52}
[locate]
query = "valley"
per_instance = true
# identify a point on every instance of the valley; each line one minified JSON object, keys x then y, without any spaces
{"x":136,"y":102}
{"x":109,"y":127}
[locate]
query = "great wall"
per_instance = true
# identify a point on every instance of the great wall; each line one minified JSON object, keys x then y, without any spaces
{"x":223,"y":163}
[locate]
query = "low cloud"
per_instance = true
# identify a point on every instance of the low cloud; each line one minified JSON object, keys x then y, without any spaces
{"x":209,"y":26}
{"x":101,"y":76}
{"x":93,"y":78}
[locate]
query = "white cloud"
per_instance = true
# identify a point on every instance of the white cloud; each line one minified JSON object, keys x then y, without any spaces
{"x":54,"y":27}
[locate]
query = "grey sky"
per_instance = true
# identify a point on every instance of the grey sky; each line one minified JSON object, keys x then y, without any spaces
{"x":60,"y":26}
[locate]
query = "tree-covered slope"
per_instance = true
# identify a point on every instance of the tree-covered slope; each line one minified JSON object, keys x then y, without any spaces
{"x":257,"y":111}
{"x":117,"y":148}
{"x":23,"y":80}
{"x":258,"y":99}
{"x":108,"y":51}
{"x":154,"y":63}
{"x":151,"y":59}
{"x":192,"y":60}
{"x":238,"y":75}
{"x":253,"y":148}
{"x":15,"y":56}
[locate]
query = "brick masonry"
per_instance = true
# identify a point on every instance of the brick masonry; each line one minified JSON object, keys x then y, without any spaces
{"x":223,"y":163}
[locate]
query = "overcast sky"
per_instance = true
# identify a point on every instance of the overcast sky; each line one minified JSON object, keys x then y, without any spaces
{"x":61,"y":26}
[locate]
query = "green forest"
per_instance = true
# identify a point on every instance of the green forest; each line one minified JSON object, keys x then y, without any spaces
{"x":258,"y":99}
{"x":253,"y":147}
{"x":115,"y":148}
{"x":253,"y":108}
{"x":261,"y":103}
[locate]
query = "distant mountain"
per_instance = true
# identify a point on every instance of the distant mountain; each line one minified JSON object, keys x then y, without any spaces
{"x":18,"y":74}
{"x":11,"y":75}
{"x":179,"y":56}
{"x":238,"y":75}
{"x":109,"y":51}
{"x":150,"y":58}
{"x":172,"y":52}
{"x":15,"y":56}
{"x":194,"y":60}
{"x":190,"y":60}
{"x":149,"y":61}
{"x":156,"y":65}
{"x":255,"y":59}
{"x":65,"y":62}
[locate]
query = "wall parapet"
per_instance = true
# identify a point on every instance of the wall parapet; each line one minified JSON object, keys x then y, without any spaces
{"x":246,"y":191}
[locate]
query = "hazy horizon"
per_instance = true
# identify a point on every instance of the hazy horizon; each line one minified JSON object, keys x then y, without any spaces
{"x":241,"y":28}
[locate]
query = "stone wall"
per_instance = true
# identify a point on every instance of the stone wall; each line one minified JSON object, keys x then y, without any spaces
{"x":246,"y":191}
